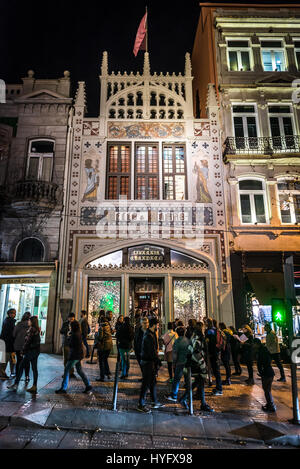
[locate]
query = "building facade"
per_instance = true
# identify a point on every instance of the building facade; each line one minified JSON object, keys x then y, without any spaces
{"x":144,"y":199}
{"x":33,"y":138}
{"x":254,"y":61}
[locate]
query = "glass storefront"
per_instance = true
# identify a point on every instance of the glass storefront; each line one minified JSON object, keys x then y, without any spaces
{"x":32,"y":297}
{"x":189,"y":299}
{"x":103,"y":294}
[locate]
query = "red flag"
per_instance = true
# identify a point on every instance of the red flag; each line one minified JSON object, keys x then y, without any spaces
{"x":140,"y":36}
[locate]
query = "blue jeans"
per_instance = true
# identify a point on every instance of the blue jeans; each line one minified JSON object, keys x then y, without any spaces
{"x":125,"y":363}
{"x":176,"y":381}
{"x":70,"y":364}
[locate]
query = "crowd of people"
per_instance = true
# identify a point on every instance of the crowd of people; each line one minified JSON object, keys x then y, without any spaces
{"x":201,"y":347}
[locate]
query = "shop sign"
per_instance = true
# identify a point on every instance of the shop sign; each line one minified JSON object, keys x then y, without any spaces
{"x":24,"y":280}
{"x":146,"y":255}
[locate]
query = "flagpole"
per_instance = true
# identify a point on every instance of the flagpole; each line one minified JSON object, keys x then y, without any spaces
{"x":147,"y":29}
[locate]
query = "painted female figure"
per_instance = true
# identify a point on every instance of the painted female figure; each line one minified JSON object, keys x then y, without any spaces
{"x":90,"y":192}
{"x":203,"y":195}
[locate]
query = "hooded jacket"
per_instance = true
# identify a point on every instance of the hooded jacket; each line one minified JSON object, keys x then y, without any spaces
{"x":19,"y":334}
{"x":103,"y":337}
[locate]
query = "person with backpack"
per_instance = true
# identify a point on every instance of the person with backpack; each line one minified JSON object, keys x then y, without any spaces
{"x":168,"y":339}
{"x":19,"y":334}
{"x":264,"y":366}
{"x":66,"y":333}
{"x":180,"y":353}
{"x":30,"y":353}
{"x":103,"y":339}
{"x":225,"y":352}
{"x":214,"y":344}
{"x":74,"y":359}
{"x":196,"y":360}
{"x":235,"y":351}
{"x":85,"y":331}
{"x":247,"y":353}
{"x":125,"y":336}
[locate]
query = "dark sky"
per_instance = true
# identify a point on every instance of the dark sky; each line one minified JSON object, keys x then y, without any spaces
{"x":52,"y":36}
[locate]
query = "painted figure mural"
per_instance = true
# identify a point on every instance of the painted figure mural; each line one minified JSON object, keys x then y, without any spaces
{"x":203,"y":195}
{"x":90,"y":192}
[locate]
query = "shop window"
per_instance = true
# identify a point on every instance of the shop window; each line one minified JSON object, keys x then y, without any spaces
{"x":238,"y":56}
{"x":273,"y":56}
{"x":32,"y":297}
{"x":146,"y":172}
{"x":103,"y":294}
{"x":289,"y":200}
{"x":252,"y":201}
{"x":189,"y":299}
{"x":30,"y":250}
{"x":174,"y":172}
{"x":118,"y":171}
{"x":40,"y":160}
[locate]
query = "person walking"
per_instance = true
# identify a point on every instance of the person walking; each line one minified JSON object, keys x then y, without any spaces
{"x":225,"y":352}
{"x":235,"y":351}
{"x":19,"y":334}
{"x":264,"y":366}
{"x":74,"y":359}
{"x":8,"y":338}
{"x":119,"y":323}
{"x":213,"y":349}
{"x":85,"y":330}
{"x":149,"y":364}
{"x":138,"y":339}
{"x":30,"y":352}
{"x":168,"y":340}
{"x":196,"y":360}
{"x":247,"y":353}
{"x":180,"y":353}
{"x":104,"y":347}
{"x":125,"y":336}
{"x":192,"y":323}
{"x":65,"y":331}
{"x":273,"y":347}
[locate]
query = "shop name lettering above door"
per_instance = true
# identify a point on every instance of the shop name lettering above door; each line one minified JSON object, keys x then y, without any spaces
{"x":146,"y":255}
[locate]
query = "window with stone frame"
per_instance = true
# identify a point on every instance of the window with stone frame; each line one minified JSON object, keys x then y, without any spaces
{"x":146,"y":171}
{"x":118,"y":171}
{"x":273,"y":55}
{"x":238,"y":55}
{"x":297,"y":53}
{"x":253,"y":208}
{"x":40,"y":160}
{"x":174,"y":172}
{"x":289,"y":200}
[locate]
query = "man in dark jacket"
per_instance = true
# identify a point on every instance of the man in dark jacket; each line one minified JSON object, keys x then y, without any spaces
{"x":125,"y":337}
{"x":149,"y":365}
{"x":104,"y":346}
{"x":85,"y":330}
{"x":211,"y":335}
{"x":8,"y":338}
{"x":66,"y":333}
{"x":138,"y":338}
{"x":264,"y":360}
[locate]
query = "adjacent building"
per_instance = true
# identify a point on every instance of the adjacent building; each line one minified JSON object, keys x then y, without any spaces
{"x":251,"y":53}
{"x":33,"y":138}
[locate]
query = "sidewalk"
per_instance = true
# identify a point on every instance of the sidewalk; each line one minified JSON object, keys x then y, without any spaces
{"x":238,"y":415}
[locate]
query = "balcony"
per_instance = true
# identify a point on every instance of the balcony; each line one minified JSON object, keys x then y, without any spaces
{"x":34,"y":193}
{"x":268,"y":146}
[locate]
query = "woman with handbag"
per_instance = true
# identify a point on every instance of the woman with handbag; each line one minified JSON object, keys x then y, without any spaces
{"x":168,"y":340}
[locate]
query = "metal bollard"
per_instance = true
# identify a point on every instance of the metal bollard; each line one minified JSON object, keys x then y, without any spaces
{"x":116,"y":383}
{"x":190,"y":389}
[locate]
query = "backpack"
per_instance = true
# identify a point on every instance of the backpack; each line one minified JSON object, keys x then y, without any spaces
{"x":221,"y":340}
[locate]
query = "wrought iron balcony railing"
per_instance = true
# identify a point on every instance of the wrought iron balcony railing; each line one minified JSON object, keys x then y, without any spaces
{"x":262,"y":145}
{"x":36,"y":191}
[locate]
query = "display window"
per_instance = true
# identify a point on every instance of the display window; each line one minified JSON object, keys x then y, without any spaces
{"x":104,"y":294}
{"x":189,"y":299}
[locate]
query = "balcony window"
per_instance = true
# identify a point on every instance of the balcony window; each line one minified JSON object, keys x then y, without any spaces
{"x":289,"y":200}
{"x":273,"y":56}
{"x":146,"y":171}
{"x":281,"y":126}
{"x":238,"y":56}
{"x":40,"y":160}
{"x":245,"y":126}
{"x":252,"y":201}
{"x":118,"y":171}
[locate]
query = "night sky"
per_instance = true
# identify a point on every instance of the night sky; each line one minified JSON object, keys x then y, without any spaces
{"x":52,"y":36}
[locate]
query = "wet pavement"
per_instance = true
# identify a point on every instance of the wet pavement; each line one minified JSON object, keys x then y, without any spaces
{"x":238,"y":419}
